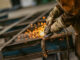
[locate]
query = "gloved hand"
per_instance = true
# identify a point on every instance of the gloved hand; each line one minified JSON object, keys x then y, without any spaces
{"x":47,"y":32}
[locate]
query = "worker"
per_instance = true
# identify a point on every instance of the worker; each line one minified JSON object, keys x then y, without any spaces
{"x":64,"y":14}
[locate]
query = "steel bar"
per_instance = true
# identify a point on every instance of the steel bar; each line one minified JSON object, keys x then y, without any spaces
{"x":34,"y":55}
{"x":52,"y":37}
{"x":9,"y":34}
{"x":1,"y":27}
{"x":5,"y":20}
{"x":20,"y":46}
{"x":21,"y":24}
{"x":3,"y":14}
{"x":14,"y":24}
{"x":44,"y":51}
{"x":7,"y":28}
{"x":60,"y":35}
{"x":23,"y":30}
{"x":18,"y":25}
{"x":26,"y":23}
{"x":25,"y":41}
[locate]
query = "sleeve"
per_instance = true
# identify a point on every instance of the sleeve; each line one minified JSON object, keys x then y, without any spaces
{"x":63,"y":21}
{"x":56,"y":12}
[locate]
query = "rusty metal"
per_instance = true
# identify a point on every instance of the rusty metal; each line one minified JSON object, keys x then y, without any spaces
{"x":43,"y":46}
{"x":64,"y":34}
{"x":43,"y":42}
{"x":52,"y":37}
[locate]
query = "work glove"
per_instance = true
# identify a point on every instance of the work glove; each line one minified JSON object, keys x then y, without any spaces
{"x":47,"y":29}
{"x":47,"y":32}
{"x":55,"y":13}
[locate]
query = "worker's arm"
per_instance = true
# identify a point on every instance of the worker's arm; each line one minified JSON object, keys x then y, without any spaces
{"x":55,"y":13}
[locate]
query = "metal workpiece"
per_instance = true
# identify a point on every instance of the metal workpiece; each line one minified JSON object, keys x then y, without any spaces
{"x":14,"y":24}
{"x":14,"y":37}
{"x":22,"y":30}
{"x":43,"y":43}
{"x":44,"y":51}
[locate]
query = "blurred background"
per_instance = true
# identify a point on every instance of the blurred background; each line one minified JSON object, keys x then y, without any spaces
{"x":7,"y":4}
